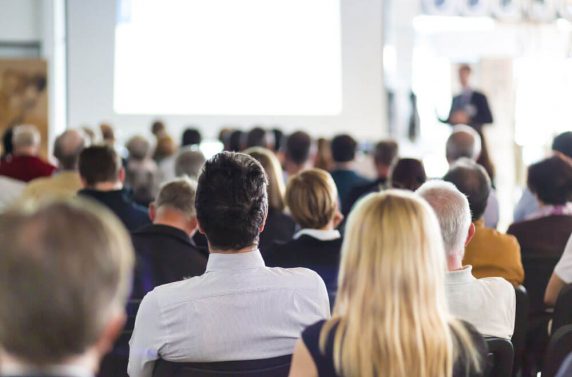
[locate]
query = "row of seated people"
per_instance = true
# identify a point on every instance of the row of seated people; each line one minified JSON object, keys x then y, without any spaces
{"x":490,"y":253}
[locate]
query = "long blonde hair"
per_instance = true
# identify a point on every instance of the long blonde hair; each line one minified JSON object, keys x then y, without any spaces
{"x":273,"y":170}
{"x":391,"y":312}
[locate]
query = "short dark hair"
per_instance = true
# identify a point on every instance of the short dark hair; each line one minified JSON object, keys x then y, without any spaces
{"x":473,"y":181}
{"x":385,"y":152}
{"x":298,"y":147}
{"x":191,"y":136}
{"x":278,"y":138}
{"x":551,"y":180}
{"x":231,"y":200}
{"x":235,"y":141}
{"x":408,"y":174}
{"x":343,"y":148}
{"x":256,"y":137}
{"x":99,"y":163}
{"x":563,"y":143}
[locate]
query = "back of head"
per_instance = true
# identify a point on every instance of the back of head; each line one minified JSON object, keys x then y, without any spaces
{"x":298,"y":147}
{"x":563,"y":143}
{"x":158,"y":128}
{"x":138,"y":148}
{"x":107,"y":133}
{"x":165,"y":148}
{"x":408,"y":174}
{"x":391,"y":305}
{"x":25,"y":136}
{"x":463,"y":142}
{"x":312,"y":198}
{"x":191,"y":136}
{"x":344,"y":148}
{"x":257,"y":137}
{"x":99,"y":164}
{"x":278,"y":137}
{"x":65,"y":271}
{"x":231,"y":200}
{"x":68,"y":147}
{"x":551,"y":180}
{"x":235,"y":141}
{"x":453,"y":212}
{"x":273,"y":171}
{"x":385,"y":152}
{"x":189,"y":162}
{"x":473,"y":181}
{"x":178,"y":194}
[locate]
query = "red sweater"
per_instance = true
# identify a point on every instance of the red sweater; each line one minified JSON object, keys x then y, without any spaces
{"x":26,"y":168}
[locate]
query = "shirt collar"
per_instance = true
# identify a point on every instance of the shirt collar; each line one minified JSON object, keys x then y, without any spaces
{"x":322,"y":235}
{"x":462,"y":276}
{"x":549,"y":210}
{"x":234,"y":261}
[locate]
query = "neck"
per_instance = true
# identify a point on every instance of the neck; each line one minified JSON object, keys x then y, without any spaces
{"x":87,"y":362}
{"x":293,"y":169}
{"x":107,"y":186}
{"x":247,"y":249}
{"x":343,"y":165}
{"x":175,"y":219}
{"x":28,"y":151}
{"x":454,"y":262}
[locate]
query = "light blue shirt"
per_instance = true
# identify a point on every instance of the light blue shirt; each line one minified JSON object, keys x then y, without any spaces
{"x":238,"y":310}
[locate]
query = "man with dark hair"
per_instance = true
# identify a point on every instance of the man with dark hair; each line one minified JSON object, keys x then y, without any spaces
{"x":66,"y":182}
{"x":384,"y":155}
{"x":297,"y":153}
{"x":344,"y":148}
{"x":191,"y":136}
{"x":491,"y":253}
{"x":65,"y":272}
{"x":258,"y":137}
{"x":240,"y":309}
{"x":102,"y":176}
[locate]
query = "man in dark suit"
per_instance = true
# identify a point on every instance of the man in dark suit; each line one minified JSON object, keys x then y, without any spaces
{"x":164,"y":249}
{"x":102,"y":175}
{"x":65,"y":270}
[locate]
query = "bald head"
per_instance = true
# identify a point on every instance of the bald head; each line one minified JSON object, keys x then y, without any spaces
{"x":67,"y":149}
{"x":463,"y":142}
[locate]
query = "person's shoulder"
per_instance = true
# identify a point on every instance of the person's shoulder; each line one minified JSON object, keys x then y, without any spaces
{"x":503,"y":238}
{"x":299,"y":277}
{"x":497,"y":286}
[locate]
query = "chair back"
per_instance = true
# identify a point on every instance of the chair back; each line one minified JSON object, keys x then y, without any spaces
{"x":520,"y":328}
{"x":559,"y":347}
{"x":500,"y":357}
{"x":273,"y":367}
{"x":563,"y":309}
{"x":537,"y":272}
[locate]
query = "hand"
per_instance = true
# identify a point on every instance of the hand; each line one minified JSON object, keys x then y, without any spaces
{"x":459,"y":117}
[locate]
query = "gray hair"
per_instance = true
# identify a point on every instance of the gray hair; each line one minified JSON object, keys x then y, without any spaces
{"x":464,"y":141}
{"x":452,"y":209}
{"x":138,"y":147}
{"x":189,"y":162}
{"x":68,"y":147}
{"x":26,"y":135}
{"x":178,"y":194}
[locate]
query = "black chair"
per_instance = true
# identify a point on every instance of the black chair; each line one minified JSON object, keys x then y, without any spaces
{"x":500,"y":357}
{"x":559,"y":347}
{"x":273,"y":367}
{"x":563,"y":309}
{"x":520,"y":328}
{"x":537,"y":272}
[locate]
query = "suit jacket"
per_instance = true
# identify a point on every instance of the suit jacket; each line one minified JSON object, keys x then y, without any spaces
{"x":132,"y":215}
{"x":360,"y":191}
{"x":306,"y":251}
{"x":279,"y":228}
{"x":164,"y":255}
{"x":479,"y":106}
{"x":345,"y":181}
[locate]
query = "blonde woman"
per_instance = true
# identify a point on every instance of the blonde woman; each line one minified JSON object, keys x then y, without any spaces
{"x":279,"y":226}
{"x":390,"y":318}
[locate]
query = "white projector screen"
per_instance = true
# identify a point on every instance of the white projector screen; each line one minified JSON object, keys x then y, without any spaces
{"x":225,"y":57}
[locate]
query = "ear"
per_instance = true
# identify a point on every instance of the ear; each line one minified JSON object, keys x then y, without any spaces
{"x":83,"y":182}
{"x":261,"y":227}
{"x":338,"y":218}
{"x":110,"y":333}
{"x":152,"y":211}
{"x":121,"y":175}
{"x":200,"y":227}
{"x":470,"y":234}
{"x":192,"y":225}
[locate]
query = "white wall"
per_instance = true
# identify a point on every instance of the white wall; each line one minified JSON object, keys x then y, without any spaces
{"x":20,"y":21}
{"x":91,"y":26}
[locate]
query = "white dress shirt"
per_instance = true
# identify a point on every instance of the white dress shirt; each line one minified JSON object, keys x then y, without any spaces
{"x":238,"y":310}
{"x":489,"y":304}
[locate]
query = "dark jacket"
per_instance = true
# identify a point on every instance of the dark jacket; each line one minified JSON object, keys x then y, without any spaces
{"x":482,"y":111}
{"x":360,"y":191}
{"x":132,"y":215}
{"x":345,"y":181}
{"x":279,"y":228}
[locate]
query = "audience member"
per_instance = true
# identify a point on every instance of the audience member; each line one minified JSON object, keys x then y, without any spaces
{"x":384,"y":156}
{"x":189,"y":162}
{"x":528,"y":204}
{"x":165,"y":252}
{"x":24,"y":164}
{"x":257,"y":137}
{"x":141,"y":175}
{"x":408,"y":174}
{"x":65,"y":270}
{"x":10,"y":191}
{"x":312,"y":198}
{"x":323,"y":159}
{"x":297,"y":153}
{"x":7,"y":146}
{"x":390,"y":316}
{"x":66,"y":182}
{"x":240,"y":309}
{"x":89,"y":135}
{"x":108,"y":137}
{"x":344,"y":149}
{"x":191,"y":136}
{"x":158,"y":128}
{"x":235,"y":141}
{"x":165,"y":148}
{"x":278,"y":137}
{"x":279,"y":226}
{"x":465,"y":142}
{"x":489,"y":304}
{"x":491,"y":253}
{"x":102,"y":176}
{"x":224,"y":137}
